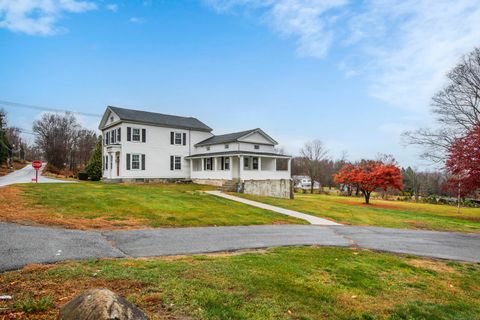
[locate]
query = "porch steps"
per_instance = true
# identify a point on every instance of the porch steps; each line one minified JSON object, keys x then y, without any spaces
{"x":229,"y":186}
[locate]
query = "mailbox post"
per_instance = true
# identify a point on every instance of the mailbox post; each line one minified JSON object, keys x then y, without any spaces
{"x":37,"y":164}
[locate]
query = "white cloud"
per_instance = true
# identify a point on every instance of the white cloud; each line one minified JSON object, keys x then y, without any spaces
{"x":38,"y":17}
{"x":137,"y":20}
{"x":112,"y":7}
{"x":403,"y":47}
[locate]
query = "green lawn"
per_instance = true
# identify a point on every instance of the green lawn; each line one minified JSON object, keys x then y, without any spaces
{"x":153,"y":205}
{"x":393,"y":214}
{"x":282,"y":283}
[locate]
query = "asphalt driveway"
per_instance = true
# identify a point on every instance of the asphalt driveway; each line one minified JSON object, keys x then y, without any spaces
{"x":22,"y":245}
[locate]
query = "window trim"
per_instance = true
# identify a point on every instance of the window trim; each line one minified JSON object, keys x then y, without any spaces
{"x":139,"y":161}
{"x":139,"y":135}
{"x":256,"y":146}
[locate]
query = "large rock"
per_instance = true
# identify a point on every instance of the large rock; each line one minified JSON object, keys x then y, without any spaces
{"x":100,"y":304}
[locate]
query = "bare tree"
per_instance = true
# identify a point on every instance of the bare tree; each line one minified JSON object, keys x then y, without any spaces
{"x":456,"y":108}
{"x":55,"y":136}
{"x":313,"y":153}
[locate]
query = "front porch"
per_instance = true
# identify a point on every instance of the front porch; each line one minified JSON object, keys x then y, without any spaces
{"x":240,"y":167}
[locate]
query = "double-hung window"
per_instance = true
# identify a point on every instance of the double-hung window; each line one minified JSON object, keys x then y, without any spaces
{"x":178,"y":163}
{"x":208,"y":164}
{"x":255,"y":163}
{"x":246,"y":164}
{"x":135,"y":134}
{"x":178,"y":138}
{"x":226,"y":163}
{"x":135,"y":161}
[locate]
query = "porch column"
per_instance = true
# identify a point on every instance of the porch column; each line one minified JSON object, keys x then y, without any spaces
{"x":289,"y":167}
{"x":241,"y":168}
{"x":111,"y":165}
{"x":259,"y":163}
{"x":230,"y":167}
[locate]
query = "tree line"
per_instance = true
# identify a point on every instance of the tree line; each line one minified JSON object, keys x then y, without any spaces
{"x":60,"y":140}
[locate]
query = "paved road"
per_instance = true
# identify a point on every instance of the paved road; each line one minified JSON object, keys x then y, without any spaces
{"x":25,"y":175}
{"x":299,"y":215}
{"x":22,"y":245}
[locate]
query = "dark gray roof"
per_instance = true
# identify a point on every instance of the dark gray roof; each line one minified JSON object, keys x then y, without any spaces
{"x":159,"y":119}
{"x":233,"y":153}
{"x":225,"y":138}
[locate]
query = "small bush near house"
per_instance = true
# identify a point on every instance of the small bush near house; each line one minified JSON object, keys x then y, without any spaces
{"x":82,"y":175}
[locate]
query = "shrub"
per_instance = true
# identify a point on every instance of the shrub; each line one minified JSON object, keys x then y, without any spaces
{"x":82,"y":175}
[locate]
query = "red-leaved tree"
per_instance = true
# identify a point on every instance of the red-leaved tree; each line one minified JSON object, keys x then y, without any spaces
{"x":369,"y":175}
{"x":464,"y":164}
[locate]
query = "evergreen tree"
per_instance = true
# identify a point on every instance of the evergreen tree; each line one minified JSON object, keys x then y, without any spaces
{"x":94,"y":167}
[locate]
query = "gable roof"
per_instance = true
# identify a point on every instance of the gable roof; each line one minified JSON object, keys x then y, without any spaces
{"x":233,"y":137}
{"x":156,"y":119}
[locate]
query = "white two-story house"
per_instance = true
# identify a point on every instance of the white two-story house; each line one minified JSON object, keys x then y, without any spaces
{"x":147,"y":146}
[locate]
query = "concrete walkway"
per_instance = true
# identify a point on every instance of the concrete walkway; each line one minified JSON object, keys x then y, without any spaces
{"x":311,"y":219}
{"x":22,"y":245}
{"x":25,"y":175}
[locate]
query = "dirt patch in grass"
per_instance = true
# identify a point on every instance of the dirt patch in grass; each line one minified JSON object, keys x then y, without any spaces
{"x":418,"y":224}
{"x":31,"y":289}
{"x":14,"y":208}
{"x":433,"y":265}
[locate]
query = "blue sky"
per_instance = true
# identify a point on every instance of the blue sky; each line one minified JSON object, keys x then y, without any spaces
{"x":354,"y":74}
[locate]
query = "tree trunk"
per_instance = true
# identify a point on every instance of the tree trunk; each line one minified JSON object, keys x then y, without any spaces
{"x":357,"y":191}
{"x":367,"y":197}
{"x":311,"y":186}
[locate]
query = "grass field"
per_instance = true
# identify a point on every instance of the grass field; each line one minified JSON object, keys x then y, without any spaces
{"x":393,"y":214}
{"x":119,"y":206}
{"x":283,"y":283}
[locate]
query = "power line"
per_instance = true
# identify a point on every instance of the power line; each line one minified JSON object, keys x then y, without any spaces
{"x":29,"y":106}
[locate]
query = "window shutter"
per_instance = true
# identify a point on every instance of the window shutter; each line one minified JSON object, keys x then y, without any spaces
{"x":143,"y":162}
{"x":172,"y":137}
{"x":128,"y":161}
{"x":184,"y":139}
{"x":144,"y":135}
{"x":172,"y":160}
{"x":129,"y":134}
{"x":108,"y":138}
{"x":119,"y":134}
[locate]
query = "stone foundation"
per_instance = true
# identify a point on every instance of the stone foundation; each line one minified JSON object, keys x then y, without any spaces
{"x":147,"y":180}
{"x":271,"y":188}
{"x":210,"y":182}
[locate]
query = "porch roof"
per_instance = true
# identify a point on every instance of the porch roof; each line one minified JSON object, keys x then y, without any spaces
{"x":238,"y":153}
